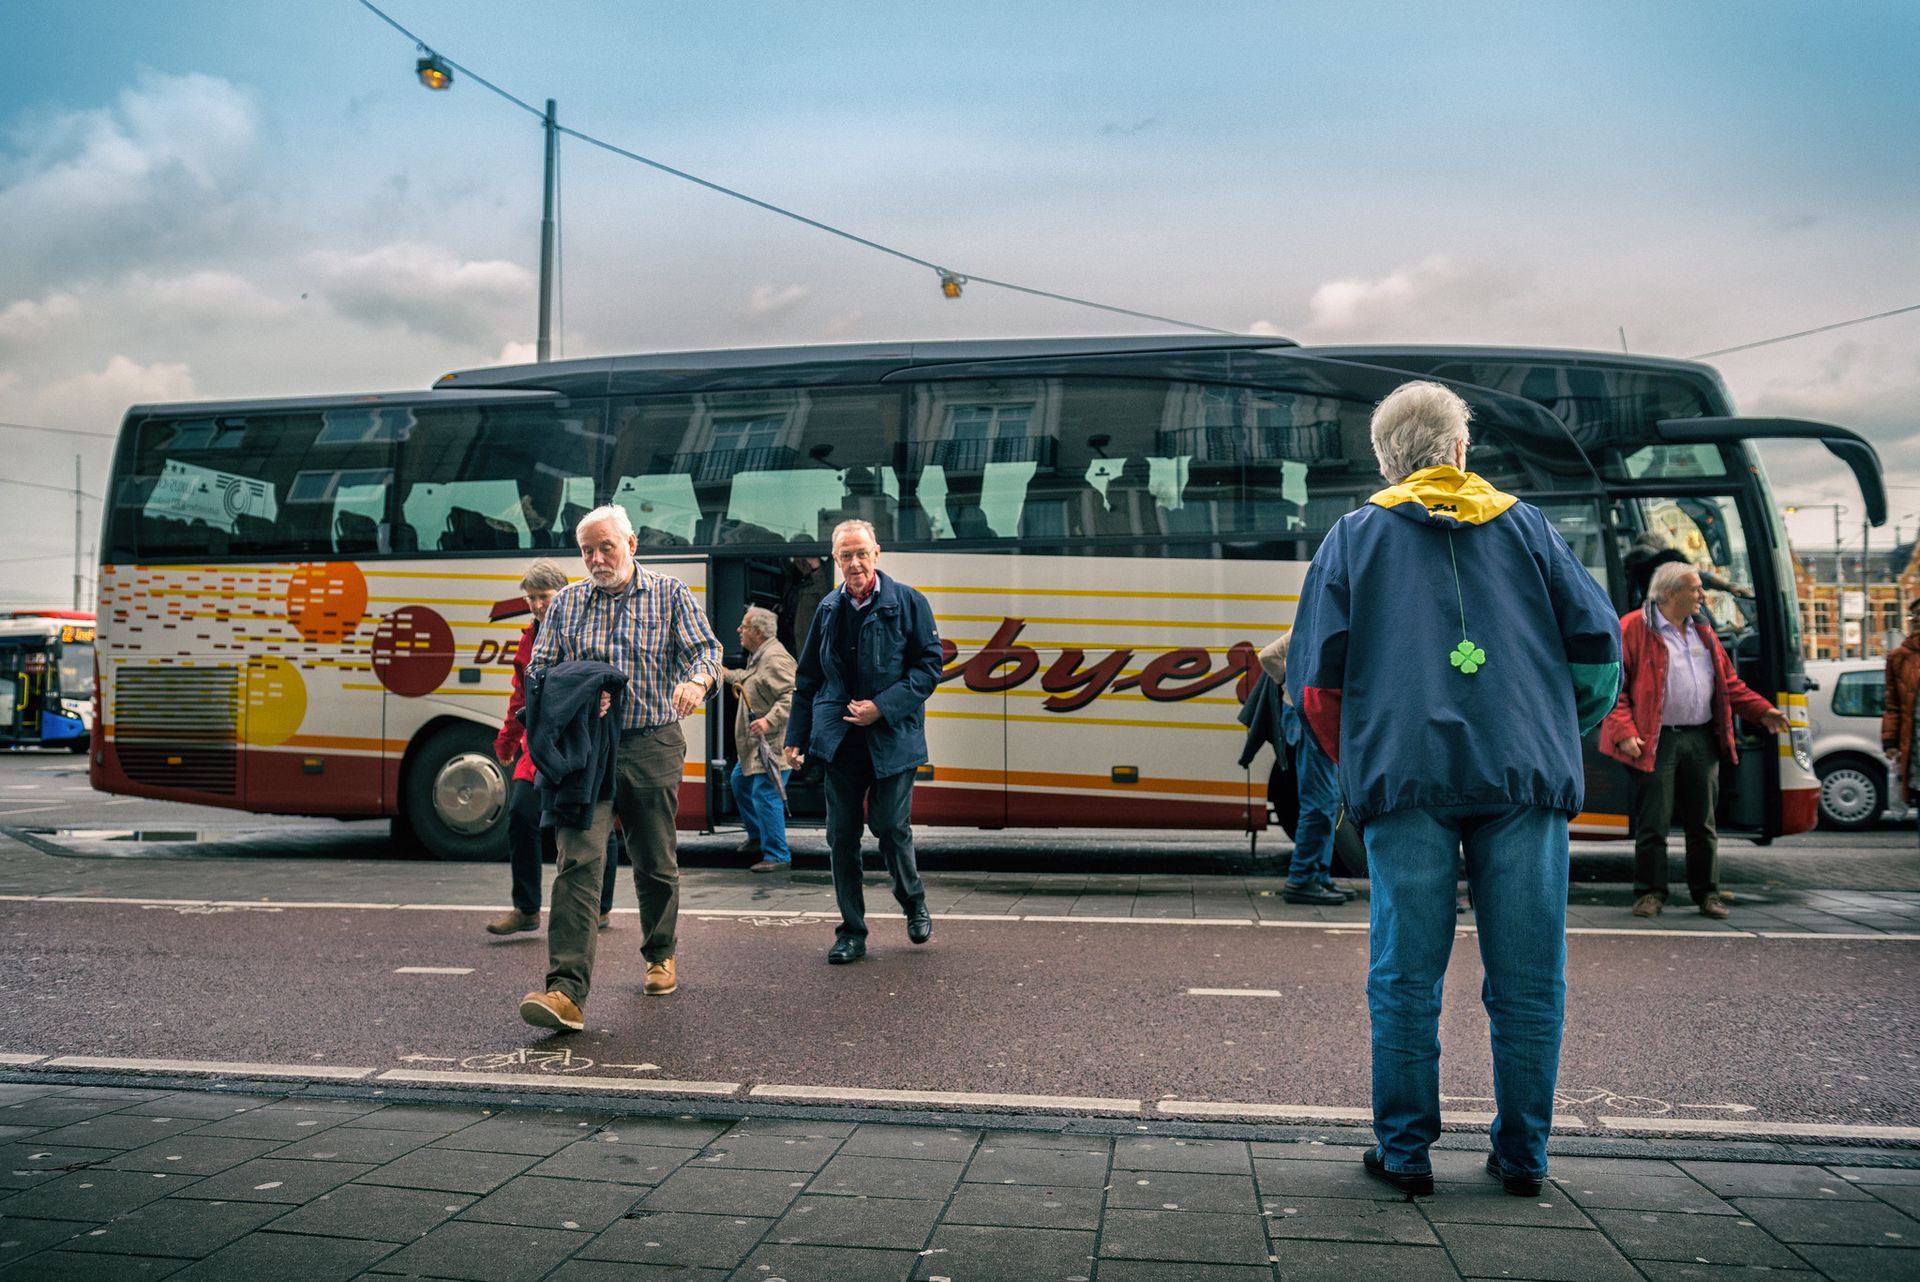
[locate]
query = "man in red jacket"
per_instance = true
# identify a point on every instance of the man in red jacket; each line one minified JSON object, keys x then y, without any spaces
{"x":1671,"y":728}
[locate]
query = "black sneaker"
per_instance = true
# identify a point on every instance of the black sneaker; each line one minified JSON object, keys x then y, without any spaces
{"x":1411,"y":1185}
{"x":1518,"y":1185}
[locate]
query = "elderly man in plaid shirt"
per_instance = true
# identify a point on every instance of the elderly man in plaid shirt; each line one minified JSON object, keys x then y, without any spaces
{"x":649,"y":627}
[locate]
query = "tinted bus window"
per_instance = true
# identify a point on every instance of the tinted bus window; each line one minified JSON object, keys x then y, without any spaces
{"x":511,"y":477}
{"x":753,"y":468}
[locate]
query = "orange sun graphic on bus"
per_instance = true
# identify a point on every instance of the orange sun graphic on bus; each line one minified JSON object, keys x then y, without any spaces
{"x":325,"y":603}
{"x":412,"y":651}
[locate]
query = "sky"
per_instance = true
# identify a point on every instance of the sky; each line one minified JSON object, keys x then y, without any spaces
{"x":202,"y":200}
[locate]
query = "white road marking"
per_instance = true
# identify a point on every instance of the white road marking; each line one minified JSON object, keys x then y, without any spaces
{"x":1814,"y":934}
{"x":1328,"y":927}
{"x":16,"y":1058}
{"x":328,"y":1071}
{"x":956,"y":1098}
{"x":1234,"y":992}
{"x":429,"y":1076}
{"x":433,"y":970}
{"x":27,"y":810}
{"x":1719,"y":1126}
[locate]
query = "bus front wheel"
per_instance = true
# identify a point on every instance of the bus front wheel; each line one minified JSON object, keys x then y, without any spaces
{"x":456,"y":796}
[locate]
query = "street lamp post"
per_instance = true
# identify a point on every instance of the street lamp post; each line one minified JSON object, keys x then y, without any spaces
{"x":436,"y":73}
{"x":1839,"y":574}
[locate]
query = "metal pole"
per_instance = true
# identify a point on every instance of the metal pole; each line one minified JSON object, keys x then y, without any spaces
{"x":543,"y":347}
{"x":1840,"y":586}
{"x":79,"y":574}
{"x":1866,"y":588}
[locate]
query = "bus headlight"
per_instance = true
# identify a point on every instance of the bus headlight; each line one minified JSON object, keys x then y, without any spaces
{"x":1802,"y":743}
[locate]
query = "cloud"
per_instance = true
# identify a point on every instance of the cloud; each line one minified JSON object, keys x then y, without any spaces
{"x":169,"y":168}
{"x":25,"y":321}
{"x":96,"y":400}
{"x":1127,"y":131}
{"x":201,"y":297}
{"x":1408,"y":298}
{"x":765,"y":302}
{"x":1266,"y":329}
{"x":429,"y":290}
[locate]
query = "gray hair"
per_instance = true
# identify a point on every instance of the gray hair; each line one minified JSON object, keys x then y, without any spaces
{"x":1417,"y":426}
{"x":762,"y":620}
{"x":543,"y":576}
{"x":1666,"y":580}
{"x":855,"y":524}
{"x":622,"y":523}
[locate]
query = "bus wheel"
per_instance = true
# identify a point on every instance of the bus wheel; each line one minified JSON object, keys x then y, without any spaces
{"x":79,"y":745}
{"x":456,"y":796}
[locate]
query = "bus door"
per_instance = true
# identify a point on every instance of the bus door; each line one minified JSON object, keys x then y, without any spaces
{"x":19,"y":710}
{"x":790,"y":587}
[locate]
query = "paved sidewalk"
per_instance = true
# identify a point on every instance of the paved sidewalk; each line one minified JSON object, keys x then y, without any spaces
{"x":201,"y":1184}
{"x":304,"y":867}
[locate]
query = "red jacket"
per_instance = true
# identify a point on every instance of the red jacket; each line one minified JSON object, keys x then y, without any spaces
{"x":1643,"y":691}
{"x":511,"y":743}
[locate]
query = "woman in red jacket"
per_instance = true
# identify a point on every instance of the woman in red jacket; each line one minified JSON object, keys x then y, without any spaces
{"x":527,"y":842}
{"x":1671,"y":728}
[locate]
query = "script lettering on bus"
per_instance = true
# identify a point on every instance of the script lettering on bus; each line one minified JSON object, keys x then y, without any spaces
{"x":1073,"y":680}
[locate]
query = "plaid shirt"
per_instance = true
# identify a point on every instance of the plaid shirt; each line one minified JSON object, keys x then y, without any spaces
{"x":653,"y":631}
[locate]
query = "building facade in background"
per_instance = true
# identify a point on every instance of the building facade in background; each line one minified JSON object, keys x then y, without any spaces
{"x":1852,"y":606}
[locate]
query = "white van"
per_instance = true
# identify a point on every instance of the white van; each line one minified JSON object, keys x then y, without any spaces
{"x":1844,"y":702}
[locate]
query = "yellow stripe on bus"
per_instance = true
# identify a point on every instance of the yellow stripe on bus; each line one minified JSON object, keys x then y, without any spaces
{"x":1262,"y":626}
{"x":1135,"y":596}
{"x":1085,"y":721}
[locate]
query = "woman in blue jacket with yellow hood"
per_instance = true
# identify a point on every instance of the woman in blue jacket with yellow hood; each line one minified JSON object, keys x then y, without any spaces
{"x":1449,"y":652}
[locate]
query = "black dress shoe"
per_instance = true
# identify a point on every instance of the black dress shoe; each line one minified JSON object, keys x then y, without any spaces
{"x":846,"y":950}
{"x":1518,"y":1185}
{"x":919,"y":925}
{"x":1313,"y":893}
{"x":1411,"y":1185}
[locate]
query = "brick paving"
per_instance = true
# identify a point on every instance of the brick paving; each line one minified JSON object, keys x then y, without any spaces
{"x":114,"y":1183}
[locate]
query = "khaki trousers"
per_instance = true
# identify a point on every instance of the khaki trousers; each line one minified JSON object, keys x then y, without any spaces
{"x":646,"y":796}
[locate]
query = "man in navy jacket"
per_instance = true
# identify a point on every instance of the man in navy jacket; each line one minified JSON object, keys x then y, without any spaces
{"x":870,"y":663}
{"x":1448,"y":654}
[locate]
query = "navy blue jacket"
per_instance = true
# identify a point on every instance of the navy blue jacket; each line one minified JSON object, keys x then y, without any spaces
{"x":898,"y":667}
{"x":1422,"y":709}
{"x":571,"y":745}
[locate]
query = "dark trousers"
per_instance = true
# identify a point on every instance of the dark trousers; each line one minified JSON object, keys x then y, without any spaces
{"x":528,"y":844}
{"x":887,"y":804}
{"x":1684,"y":785}
{"x":646,"y":795}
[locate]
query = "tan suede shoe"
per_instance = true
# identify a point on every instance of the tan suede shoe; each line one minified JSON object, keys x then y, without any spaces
{"x":660,"y":978}
{"x":552,"y":1010}
{"x":1715,"y":907}
{"x":513,"y":922}
{"x":1647,"y":906}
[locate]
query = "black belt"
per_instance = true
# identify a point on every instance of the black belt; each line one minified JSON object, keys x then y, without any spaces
{"x":1698,"y":725}
{"x":638,"y":731}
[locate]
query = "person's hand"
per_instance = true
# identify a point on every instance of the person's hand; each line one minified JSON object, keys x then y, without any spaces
{"x":1775,"y":720}
{"x":758,"y":725}
{"x":791,"y":755}
{"x":687,"y":696}
{"x":1631,"y":747}
{"x":862,"y":712}
{"x":606,"y":702}
{"x":503,"y":751}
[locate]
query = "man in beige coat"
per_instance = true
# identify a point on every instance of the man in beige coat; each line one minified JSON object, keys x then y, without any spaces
{"x":763,"y":693}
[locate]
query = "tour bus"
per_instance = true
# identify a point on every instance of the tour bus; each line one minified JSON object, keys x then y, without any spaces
{"x":46,"y":679}
{"x":310,"y":606}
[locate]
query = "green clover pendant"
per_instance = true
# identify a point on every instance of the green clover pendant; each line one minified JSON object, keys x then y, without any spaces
{"x":1467,"y":657}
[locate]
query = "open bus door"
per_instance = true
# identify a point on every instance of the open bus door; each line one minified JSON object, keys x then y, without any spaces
{"x":1679,"y":493}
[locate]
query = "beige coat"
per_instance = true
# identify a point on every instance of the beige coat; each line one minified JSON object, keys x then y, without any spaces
{"x":767,"y":685}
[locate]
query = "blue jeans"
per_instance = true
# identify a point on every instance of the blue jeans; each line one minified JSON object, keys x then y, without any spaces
{"x":1516,"y":860}
{"x":1319,"y":781}
{"x":762,"y":813}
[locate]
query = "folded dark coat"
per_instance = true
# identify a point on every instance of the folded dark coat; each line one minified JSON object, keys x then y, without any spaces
{"x":572,"y":746}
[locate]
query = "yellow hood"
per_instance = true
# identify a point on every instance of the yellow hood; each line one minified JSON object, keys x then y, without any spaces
{"x":1445,"y":493}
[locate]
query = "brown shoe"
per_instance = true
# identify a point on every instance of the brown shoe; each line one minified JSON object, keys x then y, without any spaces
{"x":552,"y":1010}
{"x":1647,"y":906}
{"x":660,"y":978}
{"x":606,"y":920}
{"x":513,"y":923}
{"x":1715,"y":907}
{"x":770,"y":865}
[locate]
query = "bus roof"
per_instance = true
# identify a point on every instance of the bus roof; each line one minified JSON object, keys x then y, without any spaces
{"x":597,"y":374}
{"x":1427,"y":359}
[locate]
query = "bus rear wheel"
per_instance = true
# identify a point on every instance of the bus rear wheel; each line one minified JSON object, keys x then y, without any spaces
{"x":455,"y":796}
